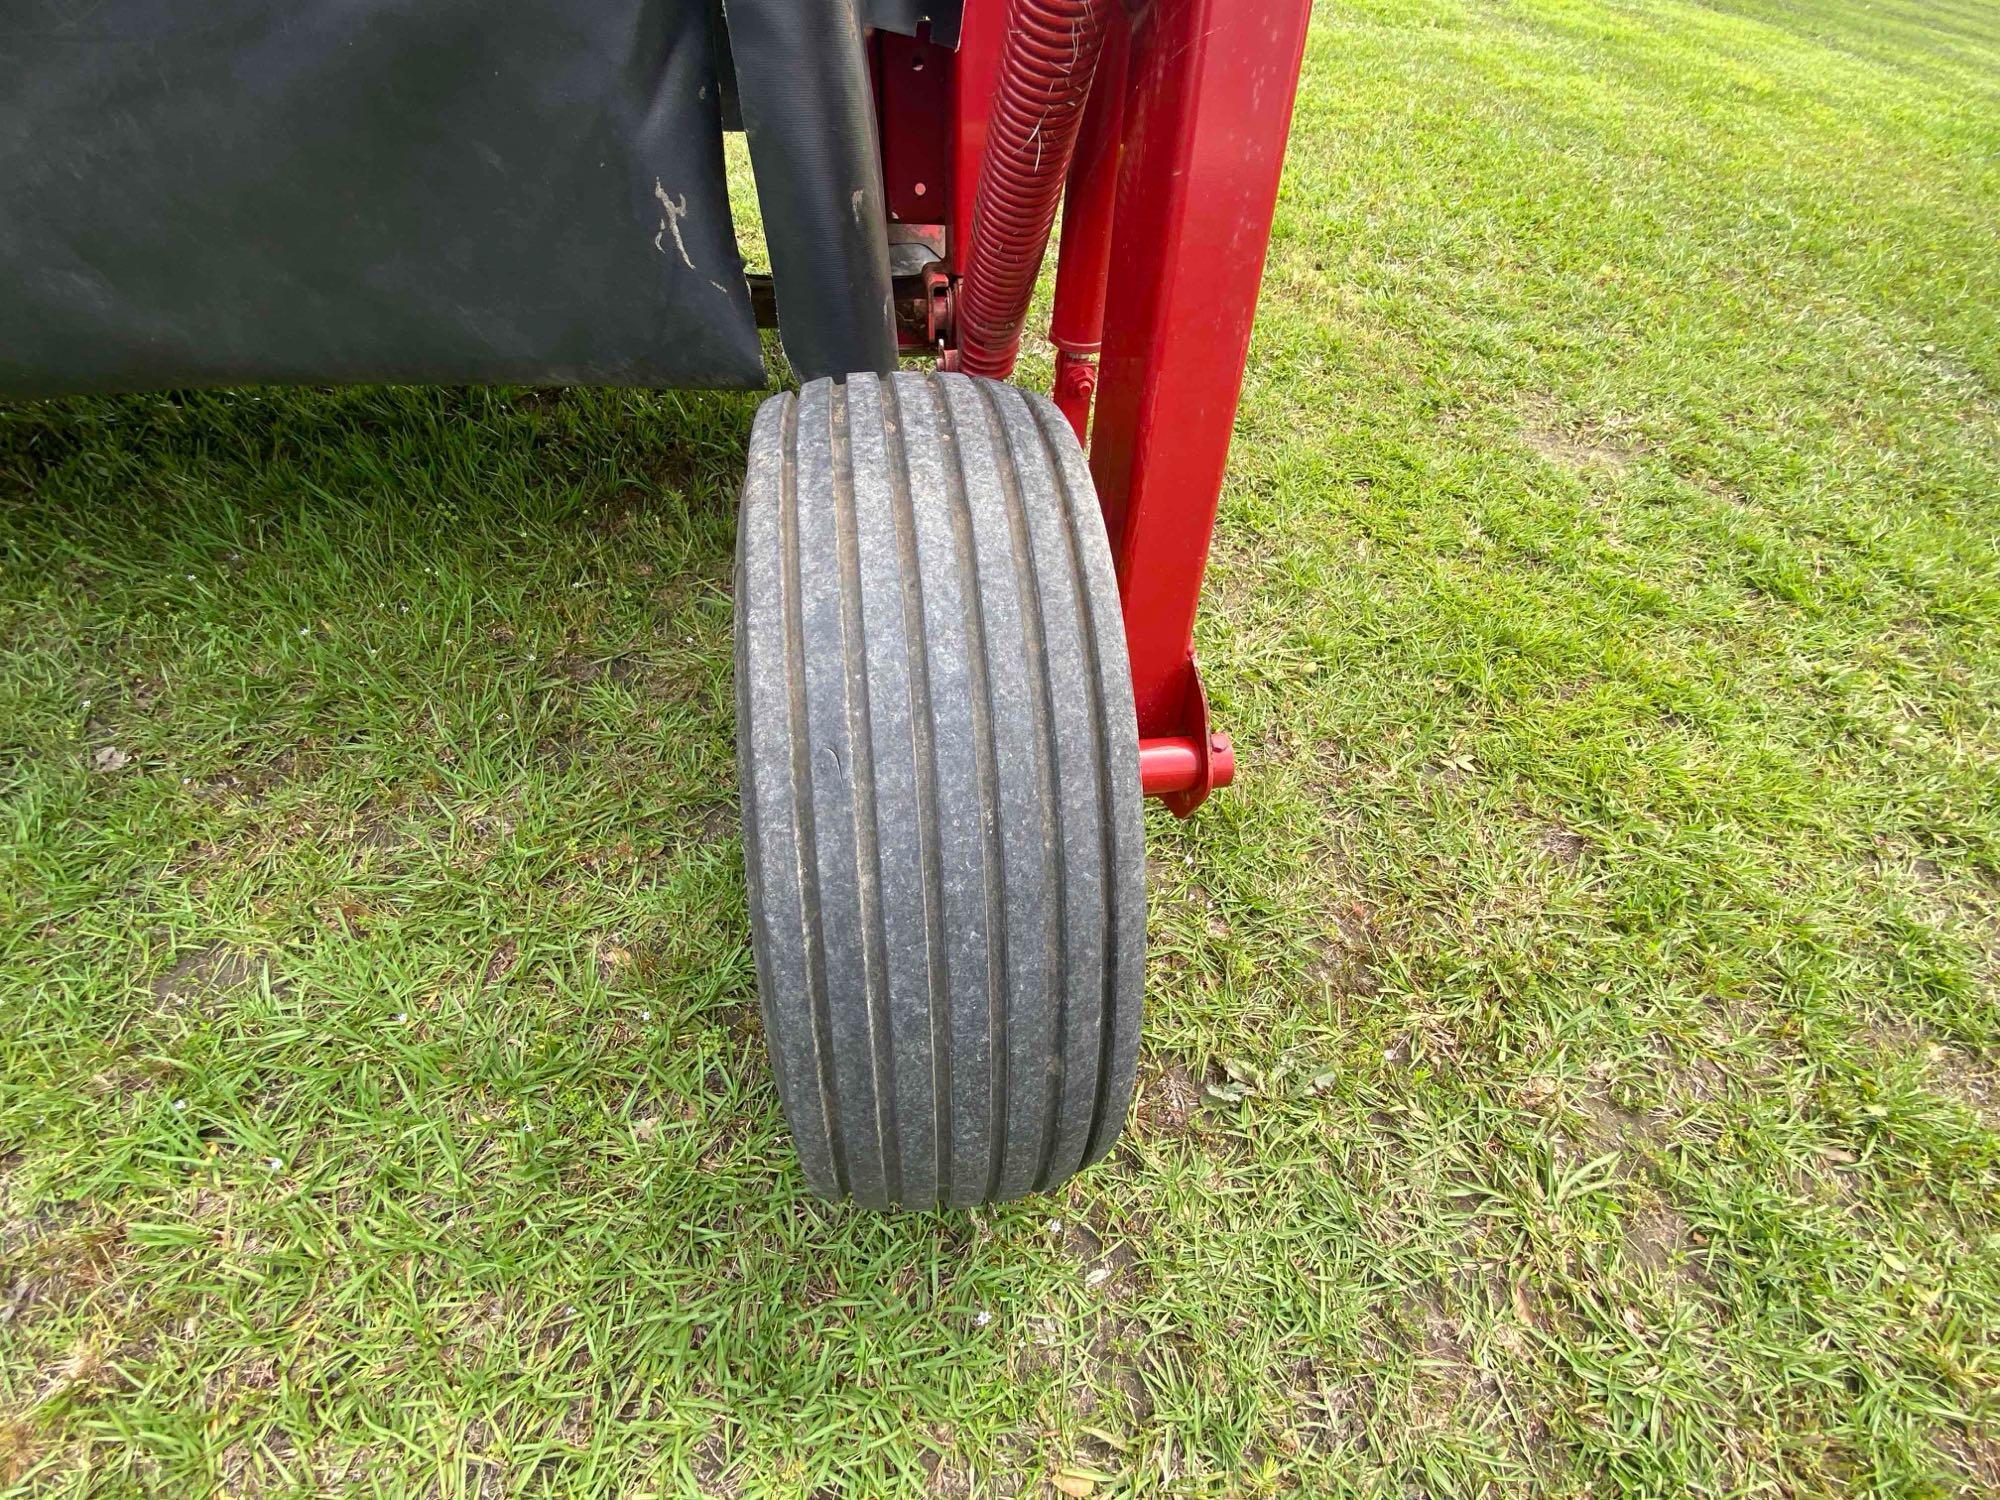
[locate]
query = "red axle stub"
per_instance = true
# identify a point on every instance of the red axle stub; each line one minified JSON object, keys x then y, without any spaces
{"x":1183,"y":768}
{"x":1179,"y":770}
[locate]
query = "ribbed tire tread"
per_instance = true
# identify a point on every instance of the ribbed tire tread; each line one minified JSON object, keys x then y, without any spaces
{"x":939,"y":767}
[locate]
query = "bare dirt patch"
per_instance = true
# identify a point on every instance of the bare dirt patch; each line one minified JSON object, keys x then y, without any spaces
{"x":208,"y":970}
{"x":1164,"y":1102}
{"x":1342,"y":967}
{"x":619,"y":667}
{"x":707,"y":822}
{"x":501,"y":964}
{"x":1105,"y":1261}
{"x":1581,"y":450}
{"x":1658,"y":1241}
{"x":1976,"y":1455}
{"x":1611,"y":1127}
{"x":1122,"y":1351}
{"x":1567,"y":847}
{"x":1975,"y":1085}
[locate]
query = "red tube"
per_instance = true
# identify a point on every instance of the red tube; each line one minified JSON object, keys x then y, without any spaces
{"x":1045,"y":72}
{"x":1172,"y":766}
{"x":1083,"y":269}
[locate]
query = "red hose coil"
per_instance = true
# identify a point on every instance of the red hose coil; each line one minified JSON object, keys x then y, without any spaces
{"x":1045,"y":71}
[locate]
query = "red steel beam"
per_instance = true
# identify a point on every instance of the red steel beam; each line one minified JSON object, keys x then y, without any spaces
{"x":982,"y":37}
{"x":1208,"y":106}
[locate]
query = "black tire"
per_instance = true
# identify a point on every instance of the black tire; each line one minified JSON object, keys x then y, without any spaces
{"x":940,"y":774}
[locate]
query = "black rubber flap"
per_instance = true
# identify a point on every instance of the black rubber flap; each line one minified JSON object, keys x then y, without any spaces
{"x":221,"y":191}
{"x":809,"y":112}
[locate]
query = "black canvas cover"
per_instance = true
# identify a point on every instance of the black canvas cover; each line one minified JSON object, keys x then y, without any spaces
{"x":223,"y":191}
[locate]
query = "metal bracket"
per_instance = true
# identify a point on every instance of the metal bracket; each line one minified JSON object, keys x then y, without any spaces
{"x":910,"y":17}
{"x":1182,"y":769}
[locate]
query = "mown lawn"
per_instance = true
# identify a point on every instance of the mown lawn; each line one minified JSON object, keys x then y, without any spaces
{"x":1573,"y":1055}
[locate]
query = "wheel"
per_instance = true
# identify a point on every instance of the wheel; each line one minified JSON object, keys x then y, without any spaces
{"x":939,"y":765}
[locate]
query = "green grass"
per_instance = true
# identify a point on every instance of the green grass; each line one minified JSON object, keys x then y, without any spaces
{"x":1572,"y":1063}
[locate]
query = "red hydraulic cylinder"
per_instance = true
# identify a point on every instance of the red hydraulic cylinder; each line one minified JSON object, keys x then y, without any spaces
{"x":1083,"y":261}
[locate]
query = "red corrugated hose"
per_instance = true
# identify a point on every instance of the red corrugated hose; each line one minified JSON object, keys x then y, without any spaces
{"x":1046,"y":66}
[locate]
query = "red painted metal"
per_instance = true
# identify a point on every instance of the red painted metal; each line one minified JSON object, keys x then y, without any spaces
{"x":1185,"y":771}
{"x":1083,"y":263}
{"x":1215,"y":757}
{"x":1049,"y":58}
{"x":1207,"y":110}
{"x":1168,"y":766}
{"x":982,"y":35}
{"x":913,"y":97}
{"x":1168,"y":213}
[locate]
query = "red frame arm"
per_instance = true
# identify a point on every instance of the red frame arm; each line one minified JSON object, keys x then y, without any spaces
{"x":1185,"y":145}
{"x":1209,"y":106}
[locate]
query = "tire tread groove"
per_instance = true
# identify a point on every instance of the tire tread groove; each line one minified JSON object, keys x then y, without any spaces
{"x":861,"y":753}
{"x":988,"y":778}
{"x":803,"y":800}
{"x":1107,"y":833}
{"x":1048,"y":755}
{"x":923,"y":746}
